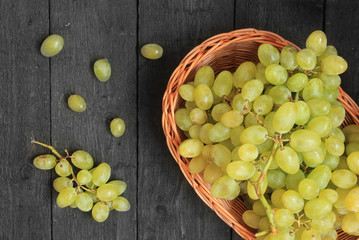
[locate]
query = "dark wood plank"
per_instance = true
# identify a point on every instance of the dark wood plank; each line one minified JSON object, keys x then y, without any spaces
{"x":92,"y":30}
{"x":342,"y":29}
{"x":25,"y":196}
{"x":168,"y":207}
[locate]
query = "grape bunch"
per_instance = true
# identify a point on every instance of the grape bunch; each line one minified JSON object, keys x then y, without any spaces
{"x":270,"y":133}
{"x":91,"y":191}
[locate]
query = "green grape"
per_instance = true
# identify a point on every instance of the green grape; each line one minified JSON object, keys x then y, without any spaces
{"x":354,"y":137}
{"x":276,"y":198}
{"x":263,"y":104}
{"x":182,"y":118}
{"x":52,"y":45}
{"x":219,"y":133}
{"x":303,"y":113}
{"x":330,"y":95}
{"x":152,"y":51}
{"x":224,"y":187}
{"x":353,"y":162}
{"x":336,"y":115}
{"x":216,"y":99}
{"x":203,"y":97}
{"x":76,"y":103}
{"x":221,"y":155}
{"x":320,"y":125}
{"x":102,"y":70}
{"x":308,"y":189}
{"x":337,"y":132}
{"x":73,"y":205}
{"x":252,"y":89}
{"x":317,"y":208}
{"x":121,"y":185}
{"x":190,"y":148}
{"x":251,"y":219}
{"x":287,"y":159}
{"x":62,"y":182}
{"x":330,"y":81}
{"x":244,"y":73}
{"x":121,"y":204}
{"x":66,"y":197}
{"x":107,"y":192}
{"x":218,"y":110}
{"x":285,"y":117}
{"x":350,"y":129}
{"x":283,"y":218}
{"x":350,"y":224}
{"x":304,"y":140}
{"x":342,"y":194}
{"x":268,"y":54}
{"x":190,"y":106}
{"x":205,"y":75}
{"x":45,"y":162}
{"x":84,"y":202}
{"x":198,"y":116}
{"x":262,"y":188}
{"x":317,"y":42}
{"x":186,"y":91}
{"x":260,"y":73}
{"x":212,"y":173}
{"x":82,"y":160}
{"x":276,"y":179}
{"x":268,"y":121}
{"x":344,"y":178}
{"x":203,"y":133}
{"x":117,"y":127}
{"x":263,"y":225}
{"x":206,"y":152}
{"x":197,"y":164}
{"x":333,"y":65}
{"x":310,"y":234}
{"x":240,"y":104}
{"x":334,"y":145}
{"x":250,"y":120}
{"x":235,"y":156}
{"x":266,"y":146}
{"x":240,"y":170}
{"x":100,"y":212}
{"x":352,"y":147}
{"x":234,"y":195}
{"x":314,"y":89}
{"x":232,"y":119}
{"x":254,"y":134}
{"x":331,"y":161}
{"x":329,"y":50}
{"x":276,"y":74}
{"x":63,"y":168}
{"x":101,"y":174}
{"x":288,"y":58}
{"x":259,"y":209}
{"x":318,"y":107}
{"x":248,"y":152}
{"x":223,"y":84}
{"x":316,"y":156}
{"x":235,"y":135}
{"x":280,"y":94}
{"x":329,"y":194}
{"x":292,"y":201}
{"x":297,"y":82}
{"x":84,"y":177}
{"x":321,"y":175}
{"x":306,"y":59}
{"x":293,"y":180}
{"x":194,"y":131}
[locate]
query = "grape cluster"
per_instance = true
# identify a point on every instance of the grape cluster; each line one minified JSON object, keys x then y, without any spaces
{"x":270,"y":132}
{"x":92,"y":190}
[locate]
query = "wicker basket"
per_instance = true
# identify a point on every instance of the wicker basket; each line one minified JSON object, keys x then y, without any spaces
{"x":224,"y":52}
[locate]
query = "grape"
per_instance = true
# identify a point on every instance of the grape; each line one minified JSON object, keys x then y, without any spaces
{"x":190,"y":105}
{"x":342,"y":194}
{"x":254,"y":134}
{"x":321,"y":175}
{"x":117,"y":127}
{"x":268,"y":121}
{"x":235,"y":156}
{"x":334,"y":145}
{"x":190,"y":148}
{"x":262,"y":188}
{"x":325,"y":224}
{"x":288,"y":58}
{"x":212,"y":173}
{"x":292,"y":201}
{"x":319,"y":107}
{"x":259,"y":209}
{"x":194,"y":131}
{"x":352,"y":200}
{"x":308,"y":189}
{"x":182,"y":118}
{"x":287,"y":159}
{"x":248,"y":152}
{"x":52,"y":45}
{"x":276,"y":198}
{"x":337,"y":132}
{"x":317,"y":42}
{"x":203,"y":133}
{"x":353,"y":162}
{"x":224,"y":187}
{"x":120,"y":185}
{"x":303,"y":113}
{"x":268,"y":54}
{"x":76,"y":103}
{"x":306,"y":59}
{"x":186,"y":91}
{"x":293,"y":180}
{"x":297,"y":82}
{"x":314,"y":89}
{"x":62,"y":182}
{"x":266,"y":146}
{"x":333,"y":65}
{"x":45,"y":162}
{"x":350,"y":224}
{"x":263,"y":104}
{"x":198,"y":116}
{"x":221,"y":155}
{"x":344,"y":178}
{"x":101,"y":174}
{"x":232,"y":119}
{"x":107,"y":192}
{"x":218,"y":110}
{"x":252,"y":89}
{"x":63,"y":168}
{"x":283,"y":218}
{"x":240,"y":170}
{"x":276,"y":74}
{"x":329,"y":50}
{"x":320,"y":125}
{"x":102,"y":69}
{"x":317,"y":208}
{"x":244,"y":73}
{"x":223,"y":84}
{"x":280,"y":94}
{"x":260,"y":73}
{"x":329,"y":194}
{"x":304,"y":140}
{"x":315,"y":157}
{"x":239,"y":104}
{"x":330,"y":95}
{"x":285,"y":117}
{"x":336,"y":115}
{"x":219,"y":133}
{"x":310,"y":234}
{"x":100,"y":212}
{"x":331,"y":161}
{"x":84,"y":202}
{"x":352,"y":147}
{"x":350,"y":129}
{"x":121,"y":204}
{"x":330,"y":81}
{"x":250,"y":120}
{"x":203,"y":97}
{"x":205,"y":75}
{"x":276,"y":179}
{"x":82,"y":160}
{"x":152,"y":51}
{"x":197,"y":164}
{"x":84,"y":177}
{"x":251,"y":219}
{"x":66,"y":197}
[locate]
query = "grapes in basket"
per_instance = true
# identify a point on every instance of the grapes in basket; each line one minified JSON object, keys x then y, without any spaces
{"x":270,"y":133}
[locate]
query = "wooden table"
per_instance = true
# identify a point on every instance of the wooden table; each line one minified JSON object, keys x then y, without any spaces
{"x":34,"y":90}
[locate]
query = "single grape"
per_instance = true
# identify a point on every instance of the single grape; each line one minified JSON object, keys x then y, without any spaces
{"x":331,"y":95}
{"x":252,"y":89}
{"x":283,"y":217}
{"x":319,"y":107}
{"x":336,"y":115}
{"x":232,"y":119}
{"x":352,"y":200}
{"x":280,"y":94}
{"x":63,"y":168}
{"x":198,"y":116}
{"x":308,"y":189}
{"x":344,"y":178}
{"x":121,"y":185}
{"x":293,"y":180}
{"x":268,"y":54}
{"x":276,"y":179}
{"x":260,"y":73}
{"x":203,"y":97}
{"x":212,"y":173}
{"x":84,"y":177}
{"x":223,"y":84}
{"x":240,"y":170}
{"x":331,"y":161}
{"x":251,"y":219}
{"x":82,"y":160}
{"x":297,"y":82}
{"x":285,"y":117}
{"x":248,"y":152}
{"x":102,"y":70}
{"x":337,"y":132}
{"x":276,"y":198}
{"x":194,"y":131}
{"x":329,"y":194}
{"x":241,"y":105}
{"x":224,"y":187}
{"x":84,"y":202}
{"x":258,"y":208}
{"x":334,"y":145}
{"x":314,"y":89}
{"x":182,"y":119}
{"x":304,"y":140}
{"x":306,"y":59}
{"x":219,"y":133}
{"x":221,"y":155}
{"x":330,"y":81}
{"x":292,"y":201}
{"x":76,"y":103}
{"x":317,"y":42}
{"x":244,"y":73}
{"x":352,"y":147}
{"x":321,"y":126}
{"x":218,"y":110}
{"x":287,"y":159}
{"x":263,"y":104}
{"x":52,"y":45}
{"x":152,"y":51}
{"x":186,"y":91}
{"x":100,"y":212}
{"x":62,"y":182}
{"x":107,"y":192}
{"x":276,"y":74}
{"x":197,"y":164}
{"x":317,"y":208}
{"x":66,"y":197}
{"x":235,"y":135}
{"x":254,"y":134}
{"x":101,"y":174}
{"x":350,"y":224}
{"x":288,"y":58}
{"x":121,"y":204}
{"x":303,"y":113}
{"x":45,"y":162}
{"x":321,"y":175}
{"x":353,"y":162}
{"x":203,"y":133}
{"x":333,"y":65}
{"x":205,"y":75}
{"x":310,"y":234}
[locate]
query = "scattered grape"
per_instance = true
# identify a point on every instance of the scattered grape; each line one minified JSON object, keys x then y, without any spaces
{"x":117,"y":127}
{"x":76,"y":103}
{"x":102,"y":70}
{"x":152,"y":51}
{"x":52,"y":45}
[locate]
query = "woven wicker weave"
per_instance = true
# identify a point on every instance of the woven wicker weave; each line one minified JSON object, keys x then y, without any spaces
{"x":224,"y":52}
